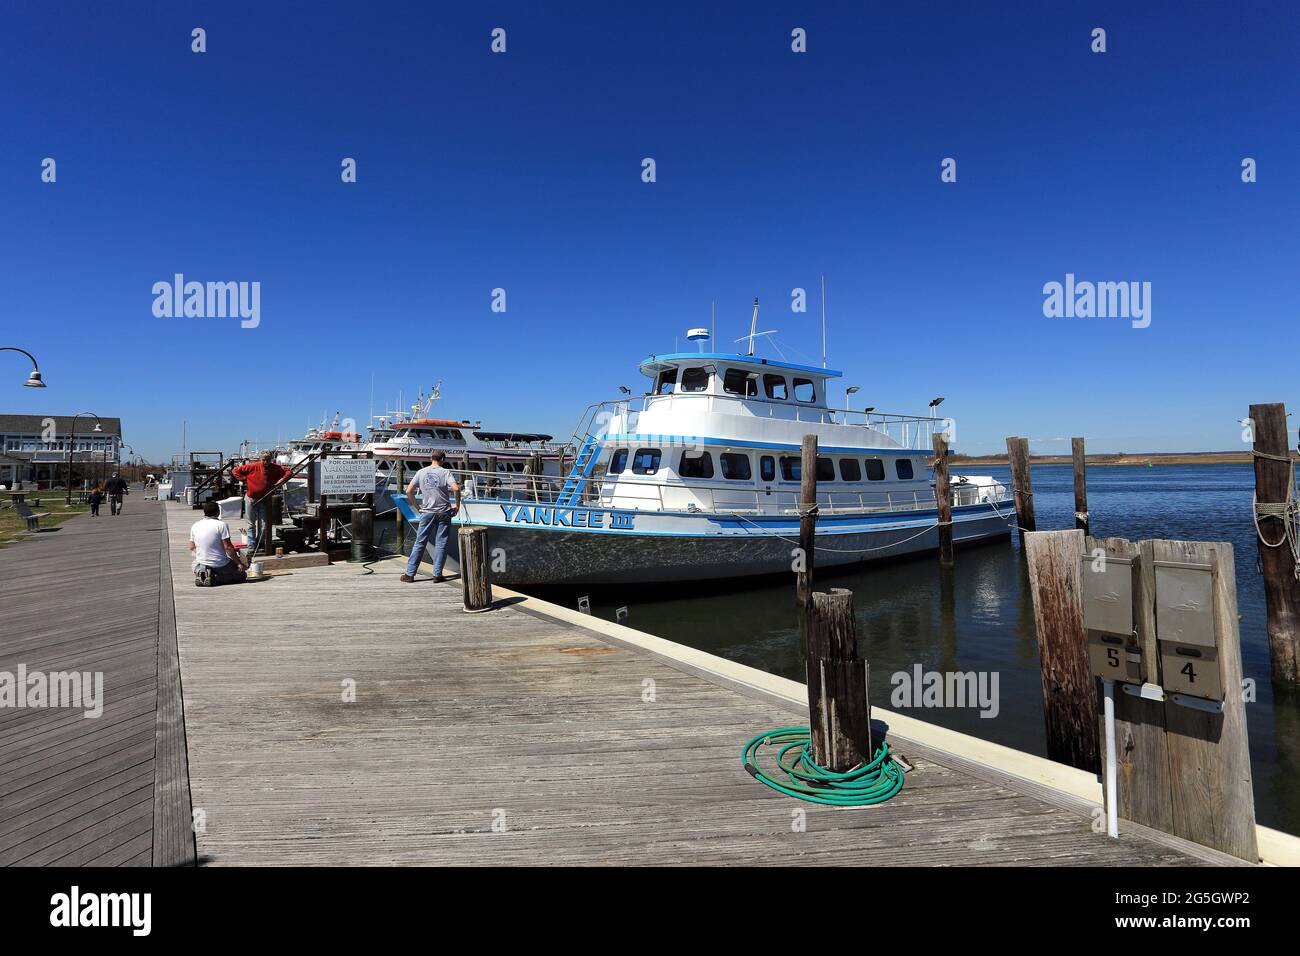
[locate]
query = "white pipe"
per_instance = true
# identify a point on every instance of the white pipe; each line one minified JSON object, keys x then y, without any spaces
{"x":1112,"y":811}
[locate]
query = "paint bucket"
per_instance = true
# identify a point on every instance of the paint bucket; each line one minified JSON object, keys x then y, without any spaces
{"x":255,"y":571}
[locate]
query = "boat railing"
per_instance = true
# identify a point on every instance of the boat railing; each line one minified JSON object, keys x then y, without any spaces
{"x":913,"y":432}
{"x":651,"y":495}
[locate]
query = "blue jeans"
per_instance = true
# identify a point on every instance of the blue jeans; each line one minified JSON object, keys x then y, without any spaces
{"x":256,"y":515}
{"x":439,"y":527}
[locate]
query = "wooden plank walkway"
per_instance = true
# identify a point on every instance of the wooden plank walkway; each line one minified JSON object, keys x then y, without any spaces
{"x":515,"y":738}
{"x":85,"y":597}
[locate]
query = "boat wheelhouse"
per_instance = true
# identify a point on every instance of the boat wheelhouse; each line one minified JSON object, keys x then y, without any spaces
{"x":700,"y":478}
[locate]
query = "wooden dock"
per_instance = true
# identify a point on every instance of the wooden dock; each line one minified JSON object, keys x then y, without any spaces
{"x":521,"y":736}
{"x":91,"y":595}
{"x":530,"y":734}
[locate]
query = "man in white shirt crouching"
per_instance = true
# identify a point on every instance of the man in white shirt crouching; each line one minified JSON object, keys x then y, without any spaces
{"x":215,"y":559}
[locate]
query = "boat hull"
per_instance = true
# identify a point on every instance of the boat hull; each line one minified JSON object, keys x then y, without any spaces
{"x":666,"y":547}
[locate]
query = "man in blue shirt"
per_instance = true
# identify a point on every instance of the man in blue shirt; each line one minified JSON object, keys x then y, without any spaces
{"x":439,"y":501}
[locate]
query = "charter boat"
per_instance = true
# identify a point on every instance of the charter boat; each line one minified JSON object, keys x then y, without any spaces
{"x":700,"y":479}
{"x":469,"y":447}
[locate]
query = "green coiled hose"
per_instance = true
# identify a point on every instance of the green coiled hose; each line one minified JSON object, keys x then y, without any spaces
{"x":872,"y":783}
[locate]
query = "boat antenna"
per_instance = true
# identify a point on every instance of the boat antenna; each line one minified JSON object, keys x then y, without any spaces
{"x":753,"y":329}
{"x":823,"y":321}
{"x":713,"y":319}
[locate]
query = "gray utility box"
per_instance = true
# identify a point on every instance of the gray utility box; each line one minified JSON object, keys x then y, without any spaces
{"x":1113,"y":651}
{"x":1189,"y":659}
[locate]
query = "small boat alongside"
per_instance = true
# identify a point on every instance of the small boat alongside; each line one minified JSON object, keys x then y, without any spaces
{"x":699,"y":479}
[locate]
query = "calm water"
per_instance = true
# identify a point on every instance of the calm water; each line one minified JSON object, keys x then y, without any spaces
{"x":984,"y":622}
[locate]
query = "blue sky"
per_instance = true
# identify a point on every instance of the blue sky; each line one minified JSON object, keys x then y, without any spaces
{"x":523,"y":171}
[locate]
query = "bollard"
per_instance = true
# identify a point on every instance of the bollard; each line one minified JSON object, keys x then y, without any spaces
{"x":363,"y":535}
{"x":839,"y":713}
{"x":475,"y":570}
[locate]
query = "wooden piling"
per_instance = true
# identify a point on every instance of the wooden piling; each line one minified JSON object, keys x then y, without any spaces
{"x":943,"y":499}
{"x":362,"y":531}
{"x":807,"y":519}
{"x":1021,"y":482}
{"x":490,"y":481}
{"x":475,"y":568}
{"x":1273,"y":488}
{"x":1213,"y":801}
{"x":271,"y":515}
{"x":839,"y":712}
{"x":1069,"y":689}
{"x":400,"y":521}
{"x":1080,"y":485}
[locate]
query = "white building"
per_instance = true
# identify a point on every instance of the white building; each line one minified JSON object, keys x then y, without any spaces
{"x":35,"y":448}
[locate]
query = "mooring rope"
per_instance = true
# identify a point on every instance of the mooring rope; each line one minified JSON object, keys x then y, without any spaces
{"x":1287,"y":512}
{"x":822,"y":547}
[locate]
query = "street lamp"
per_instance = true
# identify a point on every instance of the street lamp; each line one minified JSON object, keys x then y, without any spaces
{"x":851,"y":390}
{"x":33,"y":380}
{"x":72,"y":443}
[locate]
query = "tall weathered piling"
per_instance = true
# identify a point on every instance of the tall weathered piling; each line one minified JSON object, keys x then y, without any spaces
{"x":943,"y":500}
{"x":807,"y":518}
{"x":1081,"y":520}
{"x":1021,"y":482}
{"x":1275,"y":521}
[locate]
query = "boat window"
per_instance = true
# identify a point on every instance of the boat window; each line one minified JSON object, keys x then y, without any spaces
{"x":804,"y":390}
{"x":774,"y":385}
{"x":767,"y":468}
{"x":850,"y":470}
{"x":791,"y":468}
{"x":455,"y":435}
{"x":443,"y":434}
{"x":738,"y":381}
{"x":875,"y":469}
{"x":695,"y":466}
{"x":667,"y":382}
{"x":735,"y":466}
{"x":618,"y":462}
{"x":903,"y":466}
{"x":825,"y":469}
{"x":475,"y":466}
{"x":695,"y":379}
{"x":645,"y":461}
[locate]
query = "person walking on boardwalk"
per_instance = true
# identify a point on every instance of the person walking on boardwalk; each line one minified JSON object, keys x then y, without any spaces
{"x":96,"y":496}
{"x":115,"y":488}
{"x":439,"y":502}
{"x":260,"y":478}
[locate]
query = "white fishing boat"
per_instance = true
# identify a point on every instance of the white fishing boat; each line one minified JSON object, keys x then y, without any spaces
{"x":410,"y":440}
{"x":700,"y":479}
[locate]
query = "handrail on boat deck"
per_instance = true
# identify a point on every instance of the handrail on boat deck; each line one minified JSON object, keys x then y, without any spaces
{"x":622,"y":494}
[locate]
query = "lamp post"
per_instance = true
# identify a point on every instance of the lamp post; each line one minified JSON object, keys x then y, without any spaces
{"x":72,"y":444}
{"x":33,"y":380}
{"x":851,"y":390}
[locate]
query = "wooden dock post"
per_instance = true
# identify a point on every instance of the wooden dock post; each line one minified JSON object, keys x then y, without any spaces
{"x":807,"y":519}
{"x":839,"y":713}
{"x":943,"y":499}
{"x":1273,"y":491}
{"x":1213,"y":801}
{"x":490,"y":480}
{"x":1022,"y":483}
{"x":363,"y":534}
{"x":400,"y":521}
{"x":1069,"y":689}
{"x":1080,"y":485}
{"x":271,"y":515}
{"x":475,"y":568}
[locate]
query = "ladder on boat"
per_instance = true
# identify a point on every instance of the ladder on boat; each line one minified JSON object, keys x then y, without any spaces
{"x":571,"y":492}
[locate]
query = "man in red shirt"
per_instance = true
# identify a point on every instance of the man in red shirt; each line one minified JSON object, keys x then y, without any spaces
{"x":260,"y":478}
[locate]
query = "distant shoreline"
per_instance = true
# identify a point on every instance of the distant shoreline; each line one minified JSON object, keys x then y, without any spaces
{"x":1154,"y":458}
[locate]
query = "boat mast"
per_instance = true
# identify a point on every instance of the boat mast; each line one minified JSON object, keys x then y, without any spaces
{"x":753,"y":326}
{"x":823,"y":321}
